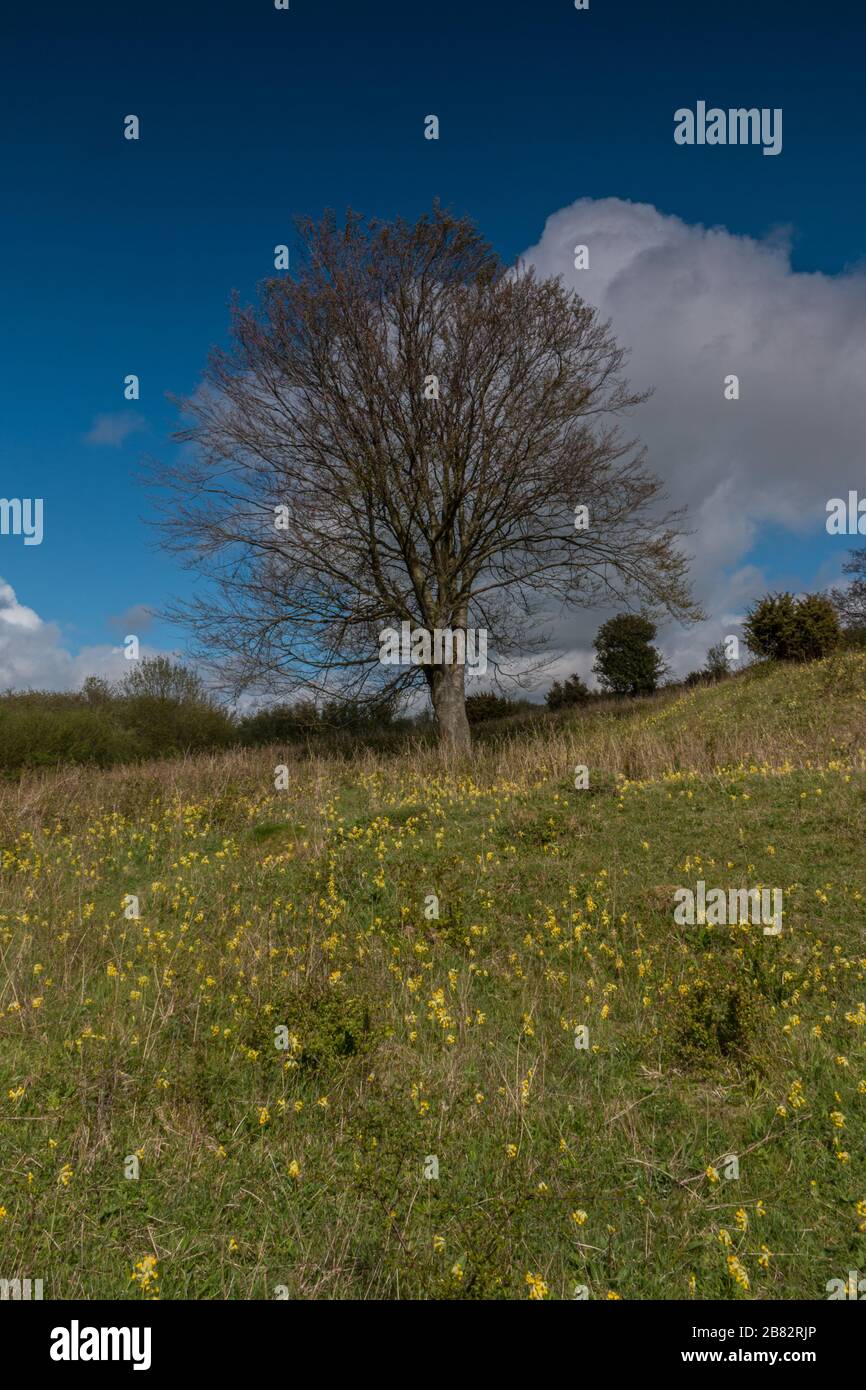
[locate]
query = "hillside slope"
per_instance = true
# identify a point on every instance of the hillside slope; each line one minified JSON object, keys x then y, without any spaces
{"x":328,"y":1089}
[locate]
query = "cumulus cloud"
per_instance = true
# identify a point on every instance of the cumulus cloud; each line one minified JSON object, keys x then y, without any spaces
{"x":136,"y":619}
{"x":113,"y":430}
{"x":693,"y":305}
{"x":33,"y":654}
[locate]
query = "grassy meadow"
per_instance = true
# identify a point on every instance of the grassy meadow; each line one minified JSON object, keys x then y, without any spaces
{"x":286,"y":1044}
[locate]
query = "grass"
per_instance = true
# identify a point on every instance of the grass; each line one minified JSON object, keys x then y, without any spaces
{"x":286,"y":1044}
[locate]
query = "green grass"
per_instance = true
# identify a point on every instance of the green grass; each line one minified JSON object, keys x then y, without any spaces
{"x":413,"y":1037}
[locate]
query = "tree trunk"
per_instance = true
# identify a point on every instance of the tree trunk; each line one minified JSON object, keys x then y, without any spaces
{"x":449,"y":706}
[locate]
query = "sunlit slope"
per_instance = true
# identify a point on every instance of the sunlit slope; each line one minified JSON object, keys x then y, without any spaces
{"x":335,"y":992}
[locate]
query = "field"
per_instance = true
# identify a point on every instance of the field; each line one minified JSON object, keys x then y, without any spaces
{"x":288,"y":1077}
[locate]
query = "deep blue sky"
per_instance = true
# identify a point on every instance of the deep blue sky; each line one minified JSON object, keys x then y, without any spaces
{"x":120,"y":257}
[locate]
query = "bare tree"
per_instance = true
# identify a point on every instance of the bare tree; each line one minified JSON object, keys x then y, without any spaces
{"x":850,"y":603}
{"x":406,"y":431}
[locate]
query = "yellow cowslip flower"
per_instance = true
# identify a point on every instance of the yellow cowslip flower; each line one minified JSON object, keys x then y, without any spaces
{"x":233,"y":1245}
{"x":738,"y":1272}
{"x":711,"y":1173}
{"x":438,"y":1244}
{"x":537,"y":1287}
{"x":741,"y":1219}
{"x":264,"y":1115}
{"x":579,"y":1217}
{"x":511,"y":1150}
{"x":145,"y":1274}
{"x":611,"y":1296}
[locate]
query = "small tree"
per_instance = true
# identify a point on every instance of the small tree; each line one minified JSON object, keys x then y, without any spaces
{"x":626,"y":662}
{"x":163,"y":679}
{"x":95,"y":690}
{"x":565,"y":694}
{"x":717,"y":662}
{"x":781,"y":627}
{"x":850,"y":603}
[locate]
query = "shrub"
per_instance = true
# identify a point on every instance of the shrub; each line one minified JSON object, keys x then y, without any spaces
{"x":565,"y":694}
{"x":854,"y":638}
{"x":717,"y":663}
{"x":781,"y":627}
{"x":166,"y":727}
{"x":46,"y":735}
{"x":281,"y":723}
{"x":487,"y":705}
{"x":717,"y":1018}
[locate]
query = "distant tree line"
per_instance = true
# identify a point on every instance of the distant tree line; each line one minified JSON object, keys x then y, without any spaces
{"x":161,"y":708}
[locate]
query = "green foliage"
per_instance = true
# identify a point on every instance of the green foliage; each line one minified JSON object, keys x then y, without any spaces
{"x":280,"y":724}
{"x":102,"y":726}
{"x":565,"y":694}
{"x":327,"y":1028}
{"x":160,"y":678}
{"x":717,"y":1020}
{"x":487,"y":705}
{"x":165,"y":727}
{"x":781,"y":627}
{"x":626,"y":662}
{"x":44,"y":733}
{"x":356,"y":716}
{"x":717,"y":662}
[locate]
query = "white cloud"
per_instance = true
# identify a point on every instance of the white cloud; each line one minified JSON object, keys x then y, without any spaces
{"x":33,"y":655}
{"x":113,"y":430}
{"x":692,"y":305}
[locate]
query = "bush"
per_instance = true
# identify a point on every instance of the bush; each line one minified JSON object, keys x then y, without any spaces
{"x":854,"y":638}
{"x":565,"y":694}
{"x":781,"y":627}
{"x":280,"y":724}
{"x":46,"y":735}
{"x":717,"y":663}
{"x":487,"y":705}
{"x":103,"y":725}
{"x":719,"y":1018}
{"x":355,"y":716}
{"x":166,"y":727}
